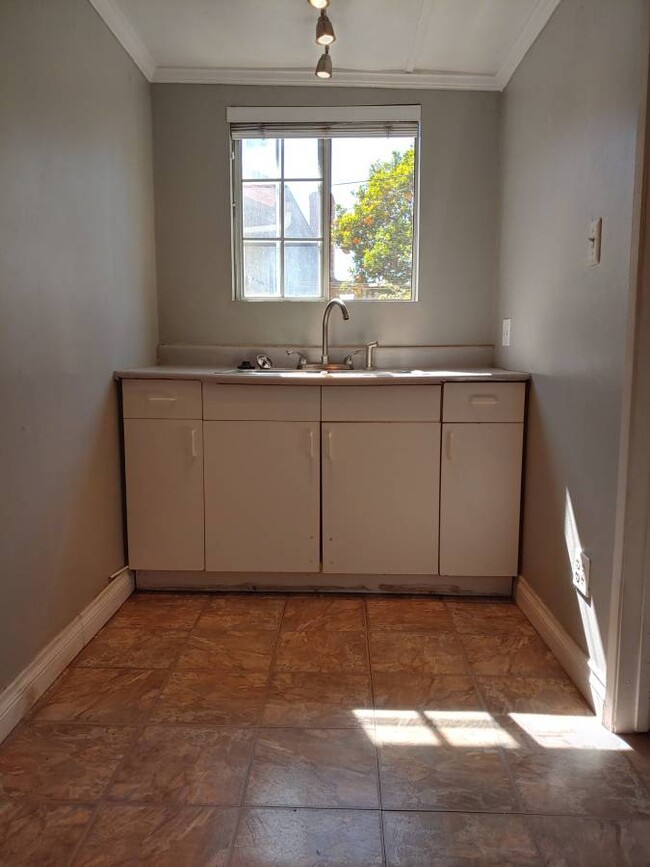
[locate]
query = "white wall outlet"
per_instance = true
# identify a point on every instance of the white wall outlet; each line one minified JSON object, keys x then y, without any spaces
{"x":595,"y":237}
{"x":581,"y":567}
{"x":505,"y":332}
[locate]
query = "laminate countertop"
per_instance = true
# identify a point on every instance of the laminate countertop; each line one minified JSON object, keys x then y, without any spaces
{"x":286,"y":376}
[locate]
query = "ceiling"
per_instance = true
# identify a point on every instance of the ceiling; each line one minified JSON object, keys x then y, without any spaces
{"x":461,"y":44}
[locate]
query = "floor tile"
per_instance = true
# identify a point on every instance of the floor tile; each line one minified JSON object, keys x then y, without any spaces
{"x":404,"y":691}
{"x":456,"y":839}
{"x":587,"y":781}
{"x":429,"y":776}
{"x":248,"y":611}
{"x":212,"y":698}
{"x":101,"y":695}
{"x":158,"y":837}
{"x":318,"y":700}
{"x":532,"y":695}
{"x":322,"y":651}
{"x":408,"y":615}
{"x":160,"y":610}
{"x":132,"y":647}
{"x":639,"y":754}
{"x":570,"y":842}
{"x":489,"y":618}
{"x":429,"y":653}
{"x":177,"y":765}
{"x":40,"y":835}
{"x":308,"y":838}
{"x":54,"y":760}
{"x":241,"y":650}
{"x":313,"y":768}
{"x":308,"y":613}
{"x":514,"y":654}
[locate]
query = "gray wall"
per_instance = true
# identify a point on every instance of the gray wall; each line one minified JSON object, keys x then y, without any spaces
{"x":77,"y":295}
{"x":457,"y":222}
{"x":568,"y":155}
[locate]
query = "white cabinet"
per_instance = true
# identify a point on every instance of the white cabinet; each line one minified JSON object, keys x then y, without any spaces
{"x":262,"y":496}
{"x":164,"y":492}
{"x":480,"y":498}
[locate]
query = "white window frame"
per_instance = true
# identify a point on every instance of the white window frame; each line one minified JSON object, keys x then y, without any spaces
{"x":355,"y":118}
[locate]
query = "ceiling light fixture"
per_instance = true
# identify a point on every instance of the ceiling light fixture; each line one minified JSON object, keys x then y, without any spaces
{"x":324,"y":67}
{"x":324,"y":31}
{"x":320,"y":4}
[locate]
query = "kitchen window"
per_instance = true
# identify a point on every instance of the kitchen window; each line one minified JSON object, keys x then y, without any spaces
{"x":324,"y":203}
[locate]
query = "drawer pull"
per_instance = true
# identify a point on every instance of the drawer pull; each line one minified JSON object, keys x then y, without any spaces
{"x":483,"y":399}
{"x":155,"y":399}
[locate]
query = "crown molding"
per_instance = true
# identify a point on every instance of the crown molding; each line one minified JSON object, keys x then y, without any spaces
{"x":521,"y":46}
{"x":341,"y":78}
{"x":126,"y":36}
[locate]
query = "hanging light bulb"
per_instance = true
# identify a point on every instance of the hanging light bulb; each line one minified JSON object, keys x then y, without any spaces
{"x":324,"y":30}
{"x":320,"y":4}
{"x":324,"y":67}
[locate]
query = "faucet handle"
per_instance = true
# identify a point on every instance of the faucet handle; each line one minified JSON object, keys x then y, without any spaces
{"x":347,"y":361}
{"x":370,"y":351}
{"x":302,"y":361}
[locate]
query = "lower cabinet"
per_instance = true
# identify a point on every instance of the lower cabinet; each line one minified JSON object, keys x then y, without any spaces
{"x":480,"y":499}
{"x":262,"y":496}
{"x":380,"y":497}
{"x":164,"y":493}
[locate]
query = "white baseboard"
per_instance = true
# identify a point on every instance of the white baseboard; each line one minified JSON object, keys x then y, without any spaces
{"x":573,"y":659}
{"x":44,"y":669}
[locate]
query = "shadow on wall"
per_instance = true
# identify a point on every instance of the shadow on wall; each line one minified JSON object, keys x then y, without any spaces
{"x":552,"y":535}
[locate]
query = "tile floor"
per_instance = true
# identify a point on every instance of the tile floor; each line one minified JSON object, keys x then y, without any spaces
{"x":319,"y":730}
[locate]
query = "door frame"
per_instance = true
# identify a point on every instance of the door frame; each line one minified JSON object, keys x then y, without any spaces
{"x":627,"y":694}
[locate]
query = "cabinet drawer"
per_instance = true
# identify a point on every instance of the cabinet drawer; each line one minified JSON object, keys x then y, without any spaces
{"x":381,"y":403}
{"x":484,"y":401}
{"x":161,"y":398}
{"x":261,"y":402}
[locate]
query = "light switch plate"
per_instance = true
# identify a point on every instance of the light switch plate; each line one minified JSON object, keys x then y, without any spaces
{"x":595,"y":237}
{"x":505,"y":332}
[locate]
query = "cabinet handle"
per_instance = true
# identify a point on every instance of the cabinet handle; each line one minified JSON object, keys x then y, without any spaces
{"x":310,"y":438}
{"x":483,"y":399}
{"x":193,"y":449}
{"x":155,"y":399}
{"x":330,"y":446}
{"x":449,"y":441}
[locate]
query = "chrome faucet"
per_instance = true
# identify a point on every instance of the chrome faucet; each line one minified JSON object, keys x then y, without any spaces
{"x":335,"y":302}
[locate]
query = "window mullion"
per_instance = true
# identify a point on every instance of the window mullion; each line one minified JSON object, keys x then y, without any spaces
{"x":326,"y":217}
{"x":281,"y":218}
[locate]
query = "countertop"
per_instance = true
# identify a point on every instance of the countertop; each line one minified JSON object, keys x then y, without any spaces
{"x":297,"y":377}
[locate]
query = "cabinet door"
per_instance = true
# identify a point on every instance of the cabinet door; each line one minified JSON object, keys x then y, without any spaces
{"x":480,"y":499}
{"x":262,"y":496}
{"x":164,"y":493}
{"x":380,"y":498}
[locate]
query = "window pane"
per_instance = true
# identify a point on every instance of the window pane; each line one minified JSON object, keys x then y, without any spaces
{"x":260,"y":158}
{"x":301,"y":158}
{"x":261,"y":269}
{"x":302,"y":270}
{"x":372,"y":217}
{"x":302,"y":209}
{"x":261,"y":207}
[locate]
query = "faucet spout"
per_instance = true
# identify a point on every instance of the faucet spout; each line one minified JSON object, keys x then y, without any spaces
{"x":335,"y":302}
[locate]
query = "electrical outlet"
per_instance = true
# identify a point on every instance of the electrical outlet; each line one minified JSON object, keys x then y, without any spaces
{"x":581,"y":567}
{"x":505,"y":332}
